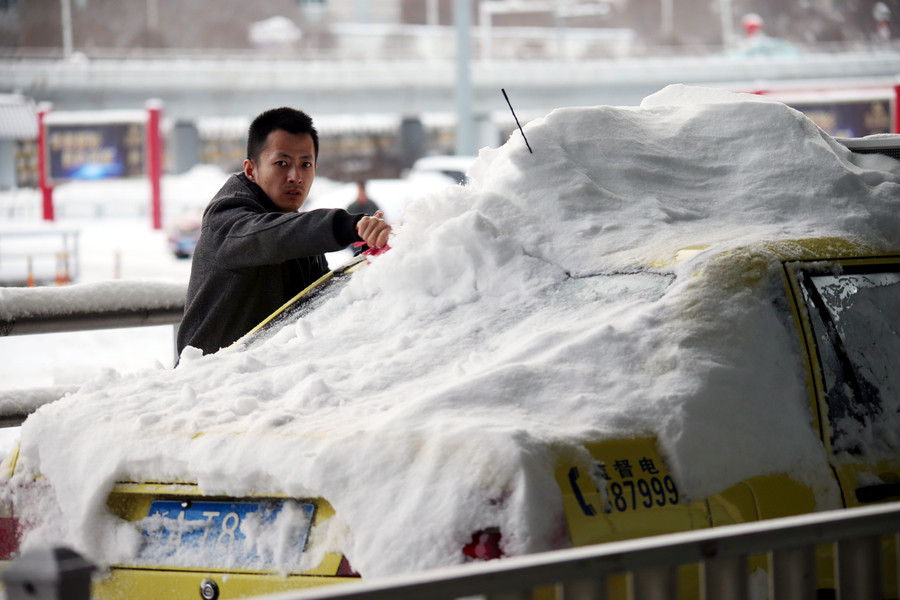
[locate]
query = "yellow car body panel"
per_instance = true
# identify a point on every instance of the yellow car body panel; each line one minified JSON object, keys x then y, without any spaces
{"x":625,"y":492}
{"x":762,"y":497}
{"x":153,"y":584}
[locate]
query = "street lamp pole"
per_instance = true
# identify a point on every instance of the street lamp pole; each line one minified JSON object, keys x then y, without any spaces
{"x":465,"y":126}
{"x":66,"y":6}
{"x":727,"y":23}
{"x":668,"y":19}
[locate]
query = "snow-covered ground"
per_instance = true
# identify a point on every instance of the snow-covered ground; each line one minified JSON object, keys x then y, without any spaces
{"x":423,"y":401}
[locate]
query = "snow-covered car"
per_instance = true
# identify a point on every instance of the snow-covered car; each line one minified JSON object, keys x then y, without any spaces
{"x":668,"y":317}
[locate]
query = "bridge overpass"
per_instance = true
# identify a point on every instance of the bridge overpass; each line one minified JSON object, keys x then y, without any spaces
{"x":363,"y":94}
{"x":195,"y":86}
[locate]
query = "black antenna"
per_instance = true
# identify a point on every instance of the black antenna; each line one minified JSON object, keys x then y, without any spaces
{"x":517,"y":120}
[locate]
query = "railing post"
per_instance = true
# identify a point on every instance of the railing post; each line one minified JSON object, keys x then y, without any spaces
{"x":656,"y":583}
{"x":859,"y":568}
{"x":792,"y":573}
{"x":585,"y":589}
{"x":512,"y":595}
{"x":724,"y":578}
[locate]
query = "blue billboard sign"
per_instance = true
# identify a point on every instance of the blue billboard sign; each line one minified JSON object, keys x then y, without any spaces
{"x":94,"y":150}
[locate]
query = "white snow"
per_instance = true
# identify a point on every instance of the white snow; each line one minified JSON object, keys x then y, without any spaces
{"x":424,"y":400}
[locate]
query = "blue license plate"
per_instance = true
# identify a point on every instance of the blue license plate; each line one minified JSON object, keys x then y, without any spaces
{"x":225,"y":534}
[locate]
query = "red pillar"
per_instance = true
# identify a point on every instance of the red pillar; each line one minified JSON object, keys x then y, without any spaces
{"x":154,"y":160}
{"x":897,"y":108}
{"x":43,"y":175}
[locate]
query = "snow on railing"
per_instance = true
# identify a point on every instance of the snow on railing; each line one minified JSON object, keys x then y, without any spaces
{"x":100,"y":305}
{"x":80,"y":307}
{"x":17,"y":404}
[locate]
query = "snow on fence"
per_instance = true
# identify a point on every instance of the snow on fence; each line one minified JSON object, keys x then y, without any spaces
{"x":100,"y":305}
{"x":857,"y":537}
{"x":80,"y":307}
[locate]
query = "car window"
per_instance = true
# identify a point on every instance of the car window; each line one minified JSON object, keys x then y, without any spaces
{"x":855,"y":315}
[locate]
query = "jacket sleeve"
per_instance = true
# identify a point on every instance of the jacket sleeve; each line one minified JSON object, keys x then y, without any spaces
{"x":249,"y":238}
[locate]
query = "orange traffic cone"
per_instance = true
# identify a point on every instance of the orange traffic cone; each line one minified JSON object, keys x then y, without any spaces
{"x":30,"y":280}
{"x":60,"y":277}
{"x":67,"y":275}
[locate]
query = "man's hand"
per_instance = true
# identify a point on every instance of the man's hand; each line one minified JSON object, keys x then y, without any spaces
{"x":373,"y":230}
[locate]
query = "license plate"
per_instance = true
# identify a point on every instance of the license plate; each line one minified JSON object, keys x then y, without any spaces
{"x":265,"y":534}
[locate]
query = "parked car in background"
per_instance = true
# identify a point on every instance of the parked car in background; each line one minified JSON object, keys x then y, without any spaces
{"x":453,"y":167}
{"x":183,"y":233}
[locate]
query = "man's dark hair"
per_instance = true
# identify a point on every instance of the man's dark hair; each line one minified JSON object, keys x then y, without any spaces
{"x":293,"y":121}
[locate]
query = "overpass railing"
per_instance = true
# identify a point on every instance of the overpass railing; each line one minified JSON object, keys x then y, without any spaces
{"x":650,"y":564}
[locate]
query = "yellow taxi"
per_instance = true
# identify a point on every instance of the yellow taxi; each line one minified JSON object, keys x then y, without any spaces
{"x":836,"y":295}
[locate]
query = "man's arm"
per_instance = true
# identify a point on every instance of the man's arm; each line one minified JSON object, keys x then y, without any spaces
{"x":247,"y":239}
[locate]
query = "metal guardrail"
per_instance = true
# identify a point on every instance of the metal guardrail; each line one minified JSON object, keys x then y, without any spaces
{"x":17,"y":404}
{"x":581,"y":573}
{"x":87,"y":306}
{"x":651,"y":564}
{"x":64,"y":309}
{"x":90,"y":320}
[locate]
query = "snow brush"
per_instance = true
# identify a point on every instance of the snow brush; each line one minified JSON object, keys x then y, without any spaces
{"x":370,"y":252}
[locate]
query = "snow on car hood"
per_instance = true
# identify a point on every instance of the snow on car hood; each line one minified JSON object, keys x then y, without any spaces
{"x":426,"y":400}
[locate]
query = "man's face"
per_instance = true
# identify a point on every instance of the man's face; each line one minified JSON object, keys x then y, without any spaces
{"x":285,"y":169}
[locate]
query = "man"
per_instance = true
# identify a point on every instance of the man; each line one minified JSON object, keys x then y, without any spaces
{"x":363,"y":204}
{"x":255,"y":251}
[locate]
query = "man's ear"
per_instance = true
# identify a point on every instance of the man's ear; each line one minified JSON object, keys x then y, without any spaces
{"x":250,"y":170}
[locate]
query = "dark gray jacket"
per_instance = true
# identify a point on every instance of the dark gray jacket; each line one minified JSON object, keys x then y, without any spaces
{"x":251,"y":259}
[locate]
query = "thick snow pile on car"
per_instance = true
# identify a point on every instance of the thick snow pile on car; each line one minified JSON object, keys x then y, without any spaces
{"x":425,"y":401}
